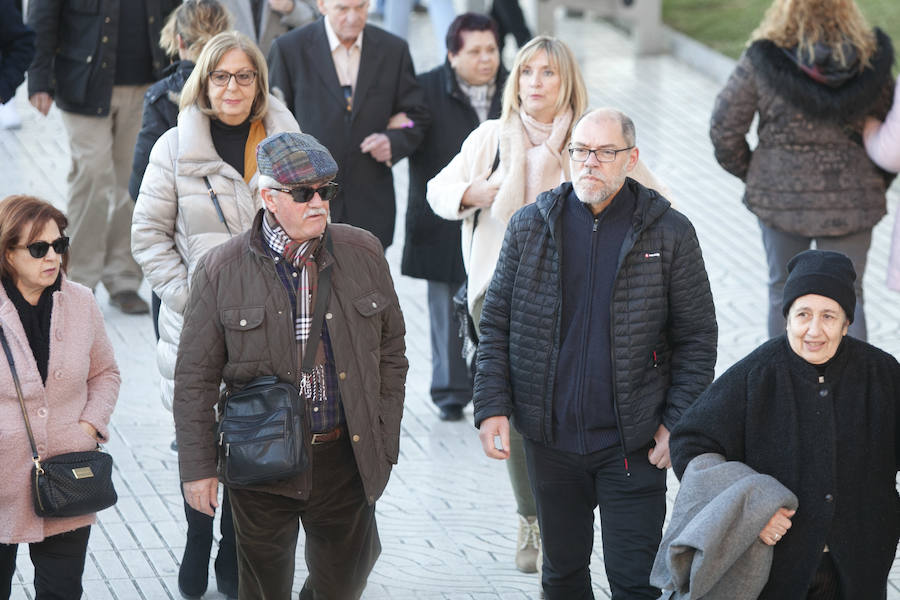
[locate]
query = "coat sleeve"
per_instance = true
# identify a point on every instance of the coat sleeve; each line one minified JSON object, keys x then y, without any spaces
{"x":716,"y":422}
{"x":103,"y":377}
{"x":692,"y":329}
{"x":492,"y":394}
{"x":445,"y":190}
{"x":393,"y":364}
{"x":153,"y":226}
{"x":43,"y":17}
{"x":410,"y":99}
{"x":153,"y":125}
{"x":731,"y":119}
{"x":883,"y":142}
{"x":16,"y":50}
{"x":198,"y":372}
{"x":280,"y":75}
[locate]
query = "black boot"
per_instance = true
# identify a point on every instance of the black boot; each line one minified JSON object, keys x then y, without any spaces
{"x":193,"y":574}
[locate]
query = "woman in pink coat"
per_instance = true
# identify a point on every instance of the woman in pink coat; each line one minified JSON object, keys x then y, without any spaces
{"x":69,"y":381}
{"x":883,"y":145}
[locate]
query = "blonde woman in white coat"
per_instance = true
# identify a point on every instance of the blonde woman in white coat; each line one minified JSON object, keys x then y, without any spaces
{"x":544,"y":96}
{"x":199,"y":189}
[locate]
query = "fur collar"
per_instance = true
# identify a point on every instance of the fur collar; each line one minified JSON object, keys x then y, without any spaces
{"x":851,"y":100}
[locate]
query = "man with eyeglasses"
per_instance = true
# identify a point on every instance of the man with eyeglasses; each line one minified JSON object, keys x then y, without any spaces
{"x":598,"y":331}
{"x":353,"y":87}
{"x":95,"y":60}
{"x":252,"y":310}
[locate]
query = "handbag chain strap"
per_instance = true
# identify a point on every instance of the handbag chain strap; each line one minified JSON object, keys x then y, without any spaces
{"x":12,"y":367}
{"x":322,"y":294}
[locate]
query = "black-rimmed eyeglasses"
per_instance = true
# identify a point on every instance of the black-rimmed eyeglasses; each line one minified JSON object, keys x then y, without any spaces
{"x":223,"y":78}
{"x":39,"y":249}
{"x":603,"y":155}
{"x":326,"y":192}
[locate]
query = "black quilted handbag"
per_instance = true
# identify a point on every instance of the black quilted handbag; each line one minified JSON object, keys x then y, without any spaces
{"x":70,"y":484}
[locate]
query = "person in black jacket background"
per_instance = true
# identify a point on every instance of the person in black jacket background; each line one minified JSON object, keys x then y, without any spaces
{"x":462,"y":93}
{"x":16,"y":52}
{"x":598,"y":331}
{"x":96,"y":60}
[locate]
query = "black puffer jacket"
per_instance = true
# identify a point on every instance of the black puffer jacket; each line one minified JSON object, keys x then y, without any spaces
{"x":160,"y":115}
{"x":663,"y":321}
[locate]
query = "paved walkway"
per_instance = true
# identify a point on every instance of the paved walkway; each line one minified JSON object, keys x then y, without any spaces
{"x":447,"y":519}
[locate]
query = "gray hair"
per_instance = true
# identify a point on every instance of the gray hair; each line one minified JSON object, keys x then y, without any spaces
{"x":612,"y":114}
{"x":268,"y":183}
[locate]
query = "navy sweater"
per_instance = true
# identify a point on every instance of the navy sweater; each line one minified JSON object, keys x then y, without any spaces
{"x":584,"y":416}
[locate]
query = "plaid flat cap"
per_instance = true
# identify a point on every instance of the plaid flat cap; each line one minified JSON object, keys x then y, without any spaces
{"x":295,"y":159}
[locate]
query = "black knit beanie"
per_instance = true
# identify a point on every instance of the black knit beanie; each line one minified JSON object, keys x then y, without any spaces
{"x":821,"y":272}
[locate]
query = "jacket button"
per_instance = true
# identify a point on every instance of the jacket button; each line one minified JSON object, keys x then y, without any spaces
{"x":294,"y":274}
{"x":280,"y":312}
{"x":829,"y":498}
{"x":243,"y":322}
{"x":107,"y":20}
{"x":342,"y":375}
{"x":105,"y":39}
{"x":355,"y":438}
{"x":374,"y":305}
{"x":89,"y":59}
{"x":42,"y":412}
{"x":152,"y":20}
{"x":823,"y":393}
{"x":328,"y":316}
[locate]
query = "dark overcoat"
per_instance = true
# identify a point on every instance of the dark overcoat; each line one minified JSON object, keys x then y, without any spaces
{"x":433,"y":246}
{"x":302,"y":71}
{"x":831,"y":437}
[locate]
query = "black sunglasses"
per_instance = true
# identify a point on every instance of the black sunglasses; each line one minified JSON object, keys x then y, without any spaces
{"x":40,"y":249}
{"x":327,"y":192}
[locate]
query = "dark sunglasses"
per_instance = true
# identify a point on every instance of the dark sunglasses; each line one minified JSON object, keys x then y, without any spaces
{"x":39,"y":249}
{"x":326,"y":191}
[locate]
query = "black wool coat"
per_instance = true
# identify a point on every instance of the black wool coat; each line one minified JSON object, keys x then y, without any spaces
{"x":831,"y":438}
{"x":76,"y":44}
{"x":301,"y":70}
{"x":16,"y":49}
{"x":433,"y":246}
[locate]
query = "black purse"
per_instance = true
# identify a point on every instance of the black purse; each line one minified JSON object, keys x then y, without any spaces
{"x":70,"y":484}
{"x":260,"y":434}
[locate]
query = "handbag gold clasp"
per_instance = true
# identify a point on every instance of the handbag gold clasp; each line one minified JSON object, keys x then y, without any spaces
{"x":82,"y":472}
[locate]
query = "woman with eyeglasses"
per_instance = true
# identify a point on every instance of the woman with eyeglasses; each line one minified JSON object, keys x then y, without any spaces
{"x":199,"y":189}
{"x":69,"y":382}
{"x":502,"y":166}
{"x":812,"y":72}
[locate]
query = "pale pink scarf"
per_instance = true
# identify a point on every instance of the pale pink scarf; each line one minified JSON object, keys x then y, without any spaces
{"x":545,"y":158}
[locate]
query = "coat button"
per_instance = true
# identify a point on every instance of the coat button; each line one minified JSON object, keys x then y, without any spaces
{"x":107,"y":20}
{"x":42,"y":412}
{"x":105,"y":39}
{"x":243,"y":322}
{"x":59,"y":334}
{"x":355,"y":438}
{"x":58,"y":374}
{"x":374,"y":305}
{"x":89,"y":59}
{"x":152,"y":20}
{"x":829,"y":498}
{"x":823,"y":393}
{"x":342,"y":376}
{"x":328,"y":316}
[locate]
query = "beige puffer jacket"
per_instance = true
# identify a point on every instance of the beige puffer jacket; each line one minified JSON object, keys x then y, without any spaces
{"x":175,"y":222}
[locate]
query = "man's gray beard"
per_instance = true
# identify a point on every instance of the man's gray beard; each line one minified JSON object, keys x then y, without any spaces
{"x":586,"y":198}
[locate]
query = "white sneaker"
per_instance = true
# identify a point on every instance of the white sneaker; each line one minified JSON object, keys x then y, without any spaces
{"x":9,"y":116}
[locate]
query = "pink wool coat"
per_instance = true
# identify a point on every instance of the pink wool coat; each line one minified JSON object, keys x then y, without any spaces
{"x":82,"y":385}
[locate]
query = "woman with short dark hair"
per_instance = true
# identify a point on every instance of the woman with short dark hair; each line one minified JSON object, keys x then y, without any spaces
{"x":69,"y":382}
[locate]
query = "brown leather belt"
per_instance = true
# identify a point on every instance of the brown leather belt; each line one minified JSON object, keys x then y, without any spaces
{"x":328,"y":436}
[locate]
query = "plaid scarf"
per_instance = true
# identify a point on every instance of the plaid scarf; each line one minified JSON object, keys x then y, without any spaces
{"x":300,"y":255}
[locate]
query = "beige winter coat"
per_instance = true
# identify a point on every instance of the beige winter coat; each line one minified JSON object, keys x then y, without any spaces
{"x":445,"y":192}
{"x":82,"y":385}
{"x":175,"y":222}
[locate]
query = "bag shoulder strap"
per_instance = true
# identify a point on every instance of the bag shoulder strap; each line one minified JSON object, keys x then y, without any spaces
{"x":322,"y":295}
{"x":494,"y":166}
{"x":215,"y":201}
{"x":15,"y":376}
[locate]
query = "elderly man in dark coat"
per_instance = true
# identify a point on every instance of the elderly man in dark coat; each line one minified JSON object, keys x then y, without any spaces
{"x":462,"y":93}
{"x":817,"y":410}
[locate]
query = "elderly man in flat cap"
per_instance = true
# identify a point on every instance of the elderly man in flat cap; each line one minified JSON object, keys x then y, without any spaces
{"x":257,"y":302}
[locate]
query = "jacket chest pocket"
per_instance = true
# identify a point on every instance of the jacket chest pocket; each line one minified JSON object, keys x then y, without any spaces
{"x":369,"y":307}
{"x":245,"y":336}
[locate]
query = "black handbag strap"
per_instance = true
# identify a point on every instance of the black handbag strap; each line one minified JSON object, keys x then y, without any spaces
{"x":215,"y":201}
{"x":323,"y":292}
{"x":15,"y":376}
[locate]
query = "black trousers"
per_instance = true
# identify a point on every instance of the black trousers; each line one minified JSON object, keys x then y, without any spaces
{"x":58,"y":565}
{"x":825,"y":584}
{"x":342,"y":542}
{"x":509,"y":18}
{"x":567,"y":487}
